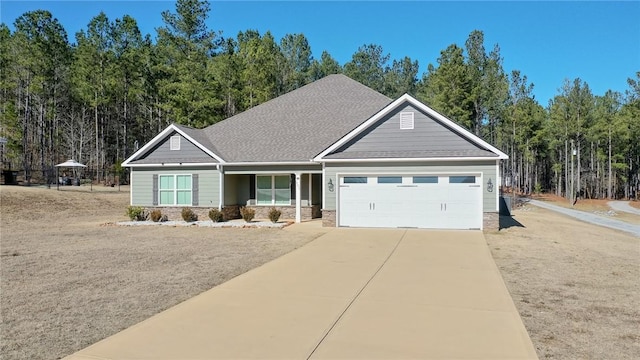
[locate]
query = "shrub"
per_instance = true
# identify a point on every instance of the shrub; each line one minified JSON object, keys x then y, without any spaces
{"x":188,"y":215}
{"x":137,"y":213}
{"x":537,"y":189}
{"x":216,"y":215}
{"x":274,"y":215}
{"x":247,"y":214}
{"x":156,"y":216}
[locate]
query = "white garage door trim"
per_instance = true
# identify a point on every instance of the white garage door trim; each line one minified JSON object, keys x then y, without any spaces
{"x":446,"y":206}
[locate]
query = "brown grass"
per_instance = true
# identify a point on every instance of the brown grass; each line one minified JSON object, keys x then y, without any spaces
{"x":68,"y":281}
{"x":575,"y":285}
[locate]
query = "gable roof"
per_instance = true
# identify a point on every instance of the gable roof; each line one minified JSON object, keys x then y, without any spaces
{"x":479,"y":149}
{"x":309,"y":125}
{"x":188,"y":133}
{"x":298,"y":125}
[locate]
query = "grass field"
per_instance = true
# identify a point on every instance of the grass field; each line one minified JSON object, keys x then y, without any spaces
{"x":67,"y":280}
{"x":576,"y":285}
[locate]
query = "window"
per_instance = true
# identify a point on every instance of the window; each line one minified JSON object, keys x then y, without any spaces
{"x":174,"y":143}
{"x":406,"y":120}
{"x":273,"y":190}
{"x":389,"y":179}
{"x":462,"y":179}
{"x":175,"y":189}
{"x":425,"y":179}
{"x":355,"y":180}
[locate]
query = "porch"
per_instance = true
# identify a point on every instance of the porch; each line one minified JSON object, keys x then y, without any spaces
{"x":298,"y":195}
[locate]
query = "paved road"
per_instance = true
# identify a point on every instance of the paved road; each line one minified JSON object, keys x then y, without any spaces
{"x":623,"y":206}
{"x":591,"y":218}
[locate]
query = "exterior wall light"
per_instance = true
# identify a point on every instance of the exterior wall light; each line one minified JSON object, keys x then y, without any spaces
{"x":489,"y":186}
{"x":330,"y":185}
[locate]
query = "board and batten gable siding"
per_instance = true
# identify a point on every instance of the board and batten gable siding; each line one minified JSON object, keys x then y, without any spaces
{"x":162,"y":153}
{"x":427,"y":135}
{"x":142,"y":189}
{"x":486,"y":168}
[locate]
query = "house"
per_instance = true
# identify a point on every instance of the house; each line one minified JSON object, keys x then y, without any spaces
{"x":334,"y":149}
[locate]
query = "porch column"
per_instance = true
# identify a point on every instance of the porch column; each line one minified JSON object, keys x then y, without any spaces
{"x":298,"y":196}
{"x":221,"y":188}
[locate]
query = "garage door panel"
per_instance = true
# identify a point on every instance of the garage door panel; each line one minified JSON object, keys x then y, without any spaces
{"x":354,"y":200}
{"x":438,"y":205}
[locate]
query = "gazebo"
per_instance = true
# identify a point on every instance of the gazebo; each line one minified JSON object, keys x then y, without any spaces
{"x":67,"y":164}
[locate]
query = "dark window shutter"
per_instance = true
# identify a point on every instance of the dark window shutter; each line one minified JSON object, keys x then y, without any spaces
{"x":292,"y":181}
{"x":155,"y":189}
{"x":194,"y":190}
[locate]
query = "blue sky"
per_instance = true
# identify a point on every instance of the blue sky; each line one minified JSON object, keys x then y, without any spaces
{"x":598,"y":42}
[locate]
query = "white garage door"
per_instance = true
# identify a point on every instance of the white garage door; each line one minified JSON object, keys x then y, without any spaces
{"x":422,"y":201}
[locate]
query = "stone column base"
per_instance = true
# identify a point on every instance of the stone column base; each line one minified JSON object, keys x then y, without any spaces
{"x":328,"y":218}
{"x":491,"y":221}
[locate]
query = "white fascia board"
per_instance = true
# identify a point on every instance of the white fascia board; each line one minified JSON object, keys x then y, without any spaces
{"x":172,"y":164}
{"x":410,"y":159}
{"x":250,"y":163}
{"x":270,"y":172}
{"x":408,"y":98}
{"x":160,"y":137}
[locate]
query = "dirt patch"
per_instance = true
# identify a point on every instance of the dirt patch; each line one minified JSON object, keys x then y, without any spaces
{"x":594,"y":206}
{"x":68,"y":281}
{"x":575,"y":284}
{"x":635,"y":204}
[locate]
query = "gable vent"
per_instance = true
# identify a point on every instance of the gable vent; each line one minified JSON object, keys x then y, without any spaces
{"x":406,"y":120}
{"x":174,"y":143}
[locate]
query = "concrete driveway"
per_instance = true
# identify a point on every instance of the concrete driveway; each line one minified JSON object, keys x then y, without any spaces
{"x":352,"y":293}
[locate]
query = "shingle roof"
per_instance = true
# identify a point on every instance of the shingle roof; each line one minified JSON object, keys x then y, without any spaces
{"x":296,"y":126}
{"x":411,"y":154}
{"x":198,"y":135}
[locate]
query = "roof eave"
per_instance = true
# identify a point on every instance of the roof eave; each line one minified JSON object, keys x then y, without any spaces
{"x":172,"y":164}
{"x":424,"y":159}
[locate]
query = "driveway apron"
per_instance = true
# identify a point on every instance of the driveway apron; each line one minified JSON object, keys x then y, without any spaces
{"x":352,"y":293}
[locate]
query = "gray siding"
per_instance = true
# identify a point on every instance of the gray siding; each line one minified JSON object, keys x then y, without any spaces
{"x":231,"y":189}
{"x":237,"y":189}
{"x":486,"y":168}
{"x":316,"y":191}
{"x":304,"y":188}
{"x":428,"y":135}
{"x":142,"y":184}
{"x":162,"y":153}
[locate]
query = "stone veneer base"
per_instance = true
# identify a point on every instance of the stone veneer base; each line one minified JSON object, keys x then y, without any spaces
{"x":328,"y":218}
{"x":490,"y":221}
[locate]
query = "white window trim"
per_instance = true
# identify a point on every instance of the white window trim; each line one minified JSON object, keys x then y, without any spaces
{"x":273,"y":189}
{"x":407,"y":120}
{"x":175,"y":189}
{"x":174,"y":142}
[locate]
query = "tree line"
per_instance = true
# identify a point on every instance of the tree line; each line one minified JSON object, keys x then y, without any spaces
{"x":101,"y":97}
